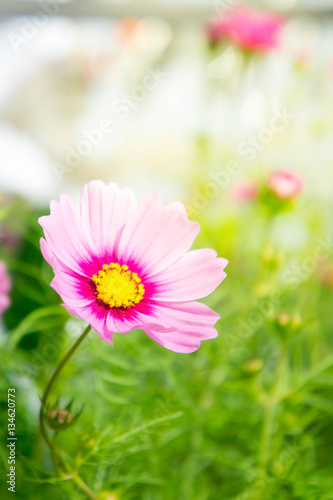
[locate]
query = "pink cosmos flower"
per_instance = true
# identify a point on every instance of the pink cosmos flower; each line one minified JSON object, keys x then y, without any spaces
{"x":249,"y":29}
{"x":5,"y":286}
{"x":285,"y":185}
{"x":121,"y":266}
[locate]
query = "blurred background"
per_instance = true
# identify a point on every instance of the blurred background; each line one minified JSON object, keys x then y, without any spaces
{"x":226,"y":106}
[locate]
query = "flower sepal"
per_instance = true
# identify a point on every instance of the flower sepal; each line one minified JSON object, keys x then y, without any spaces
{"x":60,"y":419}
{"x":287,"y":325}
{"x":281,"y":191}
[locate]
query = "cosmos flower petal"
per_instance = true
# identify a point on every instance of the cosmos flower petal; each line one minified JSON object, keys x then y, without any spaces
{"x":47,"y":253}
{"x":96,"y":316}
{"x":5,"y":286}
{"x":5,"y":281}
{"x":66,"y":236}
{"x":193,"y":276}
{"x":74,"y":291}
{"x":174,"y":341}
{"x":125,"y":322}
{"x":186,"y":316}
{"x":157,"y":236}
{"x":178,"y":340}
{"x":183,"y":325}
{"x":105,"y":210}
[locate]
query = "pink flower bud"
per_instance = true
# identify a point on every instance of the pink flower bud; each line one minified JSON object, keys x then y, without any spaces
{"x":285,"y":185}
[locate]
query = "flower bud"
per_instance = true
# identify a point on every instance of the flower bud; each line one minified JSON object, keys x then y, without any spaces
{"x":285,"y":185}
{"x":61,"y":416}
{"x":107,"y":495}
{"x":59,"y":419}
{"x":286,"y":324}
{"x":253,"y":365}
{"x":272,"y":259}
{"x":88,"y":440}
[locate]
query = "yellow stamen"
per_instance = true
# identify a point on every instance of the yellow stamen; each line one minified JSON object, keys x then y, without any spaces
{"x":117,"y":286}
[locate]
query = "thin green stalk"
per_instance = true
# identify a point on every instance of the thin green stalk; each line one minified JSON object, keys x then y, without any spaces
{"x":270,"y":408}
{"x":55,"y":458}
{"x":57,"y":461}
{"x":53,"y":379}
{"x":84,"y":487}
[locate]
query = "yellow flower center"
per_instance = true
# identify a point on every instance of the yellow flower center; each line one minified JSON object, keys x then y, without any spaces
{"x":117,"y":286}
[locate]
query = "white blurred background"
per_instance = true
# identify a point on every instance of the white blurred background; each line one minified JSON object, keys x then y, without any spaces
{"x":128,"y":91}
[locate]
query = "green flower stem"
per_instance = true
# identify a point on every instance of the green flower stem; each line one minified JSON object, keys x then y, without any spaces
{"x":84,"y":487}
{"x":55,"y":458}
{"x":54,"y":378}
{"x":270,"y":407}
{"x":57,"y":461}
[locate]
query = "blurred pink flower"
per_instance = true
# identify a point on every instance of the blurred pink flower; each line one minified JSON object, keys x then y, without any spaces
{"x":121,"y":266}
{"x":249,"y":29}
{"x":244,"y":190}
{"x":5,"y":286}
{"x":285,"y":185}
{"x":9,"y":240}
{"x":326,"y":275}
